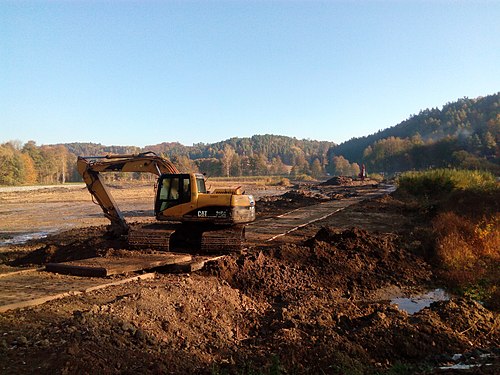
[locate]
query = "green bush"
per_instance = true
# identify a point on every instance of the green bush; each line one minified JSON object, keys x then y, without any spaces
{"x":376,"y":176}
{"x":304,"y":177}
{"x":437,"y":182}
{"x":284,"y":182}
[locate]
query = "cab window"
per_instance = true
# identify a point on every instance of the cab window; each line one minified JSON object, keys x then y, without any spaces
{"x":186,"y":190}
{"x":174,"y":190}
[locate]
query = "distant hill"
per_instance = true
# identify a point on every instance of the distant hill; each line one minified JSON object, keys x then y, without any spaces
{"x":258,"y":155}
{"x":270,"y":146}
{"x":465,"y":133}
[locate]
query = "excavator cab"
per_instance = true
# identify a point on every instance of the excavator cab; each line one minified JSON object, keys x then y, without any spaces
{"x":175,"y":189}
{"x":172,"y":190}
{"x":184,"y":197}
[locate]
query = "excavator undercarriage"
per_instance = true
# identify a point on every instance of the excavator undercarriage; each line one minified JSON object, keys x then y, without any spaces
{"x":186,"y":237}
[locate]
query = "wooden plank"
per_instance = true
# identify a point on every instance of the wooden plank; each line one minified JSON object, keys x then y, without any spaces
{"x":76,"y":270}
{"x":114,"y":265}
{"x":146,"y":276}
{"x":196,"y":264}
{"x":36,"y":301}
{"x":20,"y":272}
{"x":41,"y":300}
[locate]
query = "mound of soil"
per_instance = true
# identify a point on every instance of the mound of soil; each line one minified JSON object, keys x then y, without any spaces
{"x":445,"y":327}
{"x":75,"y":244}
{"x":277,"y":204}
{"x":290,"y":309}
{"x":176,"y":325}
{"x":351,"y":263}
{"x":320,"y":320}
{"x":338,"y":180}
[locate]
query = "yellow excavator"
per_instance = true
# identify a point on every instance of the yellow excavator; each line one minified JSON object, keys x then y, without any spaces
{"x":187,"y":213}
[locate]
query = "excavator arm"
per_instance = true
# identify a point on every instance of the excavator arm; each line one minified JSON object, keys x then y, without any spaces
{"x":90,"y":168}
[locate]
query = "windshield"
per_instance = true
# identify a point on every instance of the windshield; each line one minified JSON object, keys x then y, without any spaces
{"x":174,"y":190}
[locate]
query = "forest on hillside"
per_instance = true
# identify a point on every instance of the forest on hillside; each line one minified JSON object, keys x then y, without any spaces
{"x":463,"y":134}
{"x":260,"y":155}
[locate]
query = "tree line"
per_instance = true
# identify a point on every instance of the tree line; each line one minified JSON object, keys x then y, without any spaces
{"x":32,"y":164}
{"x":463,"y":134}
{"x":256,"y":156}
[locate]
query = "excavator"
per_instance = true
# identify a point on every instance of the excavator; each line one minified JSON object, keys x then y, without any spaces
{"x":187,"y":214}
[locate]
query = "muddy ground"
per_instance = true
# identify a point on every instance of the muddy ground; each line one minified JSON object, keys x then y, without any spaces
{"x":315,"y":302}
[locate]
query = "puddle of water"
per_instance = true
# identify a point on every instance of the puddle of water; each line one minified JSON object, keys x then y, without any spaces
{"x":17,"y":239}
{"x":417,"y":303}
{"x":460,"y":366}
{"x":482,"y":361}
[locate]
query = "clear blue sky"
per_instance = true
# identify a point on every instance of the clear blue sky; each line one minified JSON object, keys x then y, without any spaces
{"x":145,"y":72}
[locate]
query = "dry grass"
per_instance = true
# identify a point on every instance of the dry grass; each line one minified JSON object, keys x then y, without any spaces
{"x":468,"y":253}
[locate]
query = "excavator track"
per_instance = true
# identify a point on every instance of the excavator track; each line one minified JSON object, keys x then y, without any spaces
{"x":187,"y":238}
{"x":150,"y":236}
{"x":223,"y":240}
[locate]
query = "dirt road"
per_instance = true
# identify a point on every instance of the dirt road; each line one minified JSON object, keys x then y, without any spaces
{"x":316,"y":300}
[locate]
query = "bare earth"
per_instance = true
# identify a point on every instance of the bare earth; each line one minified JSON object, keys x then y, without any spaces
{"x":316,"y":301}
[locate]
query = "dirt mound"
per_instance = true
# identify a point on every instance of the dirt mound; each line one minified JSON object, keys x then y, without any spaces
{"x":446,"y":327}
{"x":352,"y":262}
{"x":309,"y":306}
{"x":306,"y":196}
{"x":338,"y":180}
{"x":296,"y":198}
{"x":70,"y":245}
{"x":320,"y":320}
{"x":198,"y":324}
{"x":171,"y":325}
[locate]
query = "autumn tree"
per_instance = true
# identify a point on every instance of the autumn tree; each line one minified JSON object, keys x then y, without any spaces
{"x":355,"y":169}
{"x":278,"y":168}
{"x":236,"y":169}
{"x":184,"y":164}
{"x":317,"y":169}
{"x":341,"y":166}
{"x":258,"y":165}
{"x":11,"y":165}
{"x":210,"y":166}
{"x":227,"y":159}
{"x":29,"y":170}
